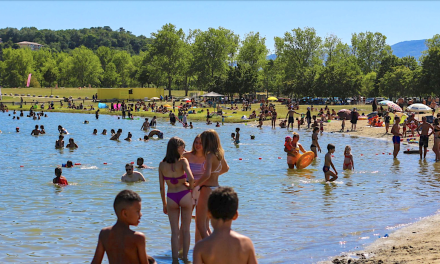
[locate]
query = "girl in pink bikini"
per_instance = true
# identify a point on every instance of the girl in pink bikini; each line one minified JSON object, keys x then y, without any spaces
{"x":178,"y":202}
{"x":348,"y":159}
{"x":196,"y":158}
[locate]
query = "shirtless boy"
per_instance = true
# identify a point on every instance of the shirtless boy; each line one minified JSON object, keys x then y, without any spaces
{"x":328,"y":162}
{"x":60,"y":142}
{"x":131,"y":175}
{"x":36,"y":131}
{"x":315,"y":143}
{"x":140,"y":163}
{"x":122,"y":244}
{"x":117,"y":135}
{"x":224,"y":245}
{"x":145,"y":125}
{"x":291,"y":119}
{"x":395,"y":130}
{"x":424,"y":136}
{"x":237,"y":135}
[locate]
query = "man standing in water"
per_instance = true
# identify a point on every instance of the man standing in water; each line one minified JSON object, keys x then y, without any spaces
{"x":131,"y":175}
{"x":395,"y":130}
{"x":424,"y":136}
{"x":291,"y":119}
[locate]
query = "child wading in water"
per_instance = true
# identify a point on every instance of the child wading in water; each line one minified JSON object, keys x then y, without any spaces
{"x":315,"y":143}
{"x":343,"y":124}
{"x":348,"y":159}
{"x":120,"y":242}
{"x":237,"y":135}
{"x":328,"y":163}
{"x":395,"y":130}
{"x":224,"y":245}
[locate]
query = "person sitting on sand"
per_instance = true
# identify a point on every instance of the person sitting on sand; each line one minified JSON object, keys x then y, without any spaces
{"x":129,"y":136}
{"x":59,"y":179}
{"x":122,"y":244}
{"x":293,"y":154}
{"x":60,"y":142}
{"x":328,"y":162}
{"x":71,"y":144}
{"x":348,"y":159}
{"x":224,"y":245}
{"x":140,"y":163}
{"x":35,"y":132}
{"x":117,"y":135}
{"x":131,"y":175}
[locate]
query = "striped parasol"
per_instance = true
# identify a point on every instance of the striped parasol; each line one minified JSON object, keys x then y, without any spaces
{"x":394,"y":106}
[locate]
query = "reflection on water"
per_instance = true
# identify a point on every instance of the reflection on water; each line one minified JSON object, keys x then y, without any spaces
{"x":291,"y":215}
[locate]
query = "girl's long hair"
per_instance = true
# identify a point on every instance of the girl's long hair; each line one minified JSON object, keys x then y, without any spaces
{"x":211,"y":144}
{"x":193,"y":149}
{"x":172,"y":153}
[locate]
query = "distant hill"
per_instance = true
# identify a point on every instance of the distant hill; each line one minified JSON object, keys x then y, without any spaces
{"x":402,"y":49}
{"x":409,"y":48}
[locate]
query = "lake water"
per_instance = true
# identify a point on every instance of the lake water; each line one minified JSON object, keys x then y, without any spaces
{"x":291,"y":216}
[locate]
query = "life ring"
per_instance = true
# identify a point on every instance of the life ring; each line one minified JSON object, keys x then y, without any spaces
{"x":305,"y":159}
{"x":156,"y":132}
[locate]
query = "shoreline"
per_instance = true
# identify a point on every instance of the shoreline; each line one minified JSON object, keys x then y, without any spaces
{"x":414,"y":243}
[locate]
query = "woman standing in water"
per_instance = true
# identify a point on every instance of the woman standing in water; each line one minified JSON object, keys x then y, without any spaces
{"x":178,"y":202}
{"x":215,"y":165}
{"x":436,"y":147}
{"x":196,"y":158}
{"x":293,"y":154}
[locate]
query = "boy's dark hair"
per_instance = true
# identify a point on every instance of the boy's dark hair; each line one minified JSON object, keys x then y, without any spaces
{"x":315,"y":129}
{"x":58,"y":171}
{"x":124,"y":199}
{"x":69,"y":163}
{"x":330,"y":146}
{"x":237,"y":129}
{"x":223,"y":203}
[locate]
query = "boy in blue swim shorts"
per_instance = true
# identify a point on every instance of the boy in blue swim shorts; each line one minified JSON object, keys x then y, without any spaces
{"x":395,"y":130}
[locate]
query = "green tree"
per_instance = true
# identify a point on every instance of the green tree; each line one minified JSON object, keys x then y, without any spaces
{"x":124,"y":67}
{"x":85,"y":67}
{"x":214,"y":50}
{"x":110,"y":77}
{"x":167,"y":52}
{"x":430,"y":73}
{"x":396,"y":83}
{"x":16,"y":66}
{"x":300,"y":53}
{"x":369,"y":48}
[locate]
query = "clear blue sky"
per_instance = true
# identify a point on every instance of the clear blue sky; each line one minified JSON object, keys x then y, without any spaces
{"x":398,"y":20}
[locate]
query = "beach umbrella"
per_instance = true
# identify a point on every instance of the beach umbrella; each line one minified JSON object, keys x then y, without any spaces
{"x":344,"y":113}
{"x":384,"y":102}
{"x":167,"y":105}
{"x":188,"y":101}
{"x":394,"y":106}
{"x":419,"y":108}
{"x":154,"y":98}
{"x":272,"y":98}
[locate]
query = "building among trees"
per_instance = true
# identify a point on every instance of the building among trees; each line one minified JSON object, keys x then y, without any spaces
{"x":31,"y":45}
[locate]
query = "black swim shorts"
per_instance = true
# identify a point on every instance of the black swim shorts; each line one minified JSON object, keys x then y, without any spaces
{"x":423,"y":141}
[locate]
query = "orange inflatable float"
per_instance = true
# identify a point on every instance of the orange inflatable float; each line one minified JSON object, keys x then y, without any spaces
{"x":305,"y":159}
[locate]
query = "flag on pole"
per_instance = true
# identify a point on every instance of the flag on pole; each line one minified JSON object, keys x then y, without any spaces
{"x":29,"y":80}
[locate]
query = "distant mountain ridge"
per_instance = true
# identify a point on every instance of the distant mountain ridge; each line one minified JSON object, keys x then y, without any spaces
{"x":402,"y":49}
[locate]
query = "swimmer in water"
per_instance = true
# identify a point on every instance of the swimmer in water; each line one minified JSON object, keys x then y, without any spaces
{"x":191,"y":125}
{"x":62,"y":130}
{"x":35,"y":132}
{"x":237,"y":135}
{"x":140,"y":163}
{"x":104,"y":132}
{"x":42,"y":131}
{"x":293,"y":155}
{"x":145,"y":125}
{"x":131,"y":175}
{"x":69,"y":164}
{"x":129,"y":137}
{"x":112,"y":131}
{"x":117,"y":135}
{"x":348,"y":159}
{"x":60,"y":142}
{"x":315,"y":143}
{"x":95,"y":131}
{"x":59,"y":179}
{"x":17,"y":129}
{"x":71,"y":144}
{"x":328,"y":162}
{"x":218,"y":124}
{"x":233,"y":136}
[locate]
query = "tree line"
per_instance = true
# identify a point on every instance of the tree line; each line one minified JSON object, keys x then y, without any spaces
{"x":219,"y":60}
